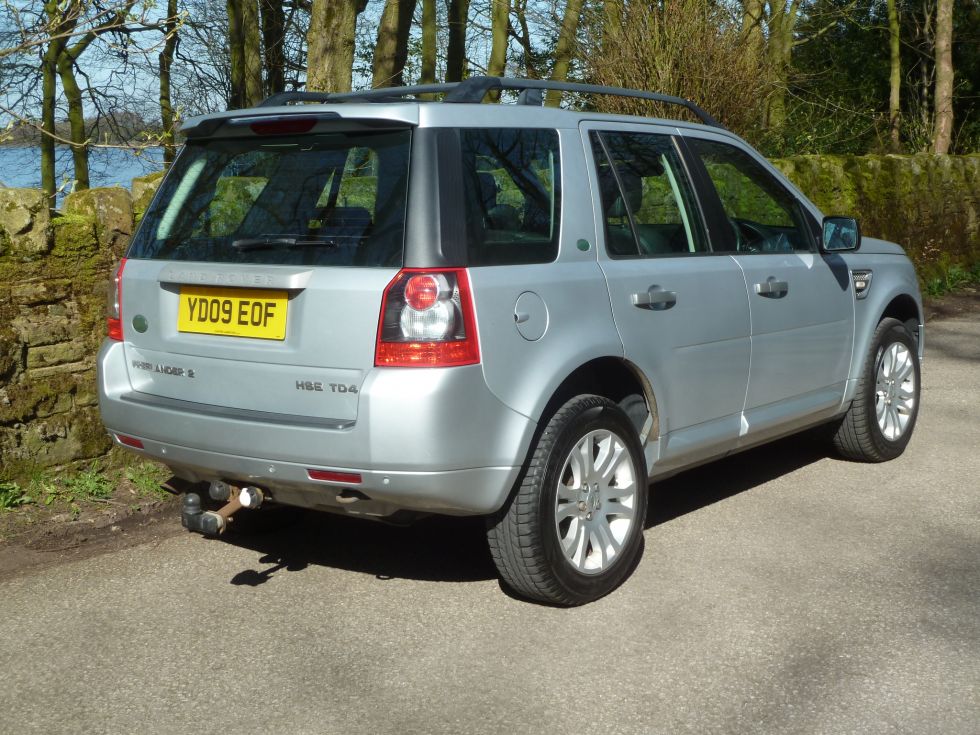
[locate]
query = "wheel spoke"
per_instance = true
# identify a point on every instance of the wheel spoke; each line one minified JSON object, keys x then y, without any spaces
{"x":904,"y":370}
{"x":611,"y":460}
{"x":568,"y":493}
{"x":578,"y":471}
{"x":605,"y":542}
{"x":581,"y":546}
{"x":892,"y":359}
{"x":573,"y":537}
{"x":615,"y":508}
{"x":566,"y":510}
{"x":616,"y":492}
{"x":892,"y":429}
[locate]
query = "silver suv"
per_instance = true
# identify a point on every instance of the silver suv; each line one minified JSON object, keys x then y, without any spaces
{"x":385,"y":306}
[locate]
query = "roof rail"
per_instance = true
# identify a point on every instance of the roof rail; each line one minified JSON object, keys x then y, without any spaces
{"x":474,"y":89}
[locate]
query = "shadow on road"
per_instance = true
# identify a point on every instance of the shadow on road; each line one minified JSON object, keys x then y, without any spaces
{"x":443,"y":549}
{"x":700,"y":487}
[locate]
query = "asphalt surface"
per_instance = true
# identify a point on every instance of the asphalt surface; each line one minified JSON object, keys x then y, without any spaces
{"x":780,"y":591}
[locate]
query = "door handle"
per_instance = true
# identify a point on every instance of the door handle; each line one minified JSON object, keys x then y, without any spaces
{"x":771,"y":288}
{"x":654,"y":298}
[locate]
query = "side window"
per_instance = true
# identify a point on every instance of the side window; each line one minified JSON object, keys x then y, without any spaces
{"x":646,"y":201}
{"x":512,"y":193}
{"x":764,"y":216}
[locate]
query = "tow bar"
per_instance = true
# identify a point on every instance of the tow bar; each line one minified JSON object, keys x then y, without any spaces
{"x":214,"y":522}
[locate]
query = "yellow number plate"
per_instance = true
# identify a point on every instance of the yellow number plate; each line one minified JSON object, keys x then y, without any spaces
{"x":233,"y":312}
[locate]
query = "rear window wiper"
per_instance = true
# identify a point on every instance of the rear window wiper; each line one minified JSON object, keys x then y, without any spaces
{"x":284,"y":242}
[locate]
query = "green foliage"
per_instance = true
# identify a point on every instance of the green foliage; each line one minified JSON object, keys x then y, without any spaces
{"x":952,"y":277}
{"x":147,"y":478}
{"x":90,"y":483}
{"x":13,"y":495}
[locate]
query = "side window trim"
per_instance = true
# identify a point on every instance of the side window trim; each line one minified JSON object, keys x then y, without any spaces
{"x":713,"y":211}
{"x":692,"y":214}
{"x":619,"y":185}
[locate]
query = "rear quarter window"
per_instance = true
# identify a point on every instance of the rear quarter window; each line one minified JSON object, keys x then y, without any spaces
{"x":511,"y":188}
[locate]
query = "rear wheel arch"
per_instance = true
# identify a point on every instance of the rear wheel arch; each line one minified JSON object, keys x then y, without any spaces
{"x":614,"y":378}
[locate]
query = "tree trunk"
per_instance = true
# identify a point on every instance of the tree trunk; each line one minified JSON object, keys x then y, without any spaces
{"x":273,"y":36}
{"x":780,"y":51}
{"x":252,"y":52}
{"x":500,"y":11}
{"x":752,"y":20}
{"x":498,"y":48}
{"x":564,"y":48}
{"x":236,"y":54}
{"x":166,"y":59}
{"x":76,"y":119}
{"x":428,"y":42}
{"x":391,"y":49}
{"x":49,"y":76}
{"x":612,"y":24}
{"x":459,"y":11}
{"x":895,"y":78}
{"x":330,"y":40}
{"x":943,"y":98}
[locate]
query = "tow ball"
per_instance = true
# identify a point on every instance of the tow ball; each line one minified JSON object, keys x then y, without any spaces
{"x":215,"y":522}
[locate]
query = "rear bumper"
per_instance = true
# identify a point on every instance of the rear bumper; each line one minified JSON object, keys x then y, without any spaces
{"x":425,"y":440}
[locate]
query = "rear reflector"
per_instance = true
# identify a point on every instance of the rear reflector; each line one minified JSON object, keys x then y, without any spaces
{"x":353,"y":478}
{"x":129,"y":441}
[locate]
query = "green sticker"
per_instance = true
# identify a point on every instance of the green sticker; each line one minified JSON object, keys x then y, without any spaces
{"x":583,"y":245}
{"x":140,"y":324}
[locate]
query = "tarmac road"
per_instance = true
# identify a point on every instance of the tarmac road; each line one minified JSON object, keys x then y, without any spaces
{"x":780,"y":591}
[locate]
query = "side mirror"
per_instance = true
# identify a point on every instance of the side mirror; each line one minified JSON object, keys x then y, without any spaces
{"x":840,"y":234}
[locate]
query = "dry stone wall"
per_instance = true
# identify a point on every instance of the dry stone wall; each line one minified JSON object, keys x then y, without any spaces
{"x":54,"y":272}
{"x":928,"y":204}
{"x":53,"y":279}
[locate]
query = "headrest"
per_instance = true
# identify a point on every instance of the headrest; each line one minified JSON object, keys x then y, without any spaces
{"x":488,"y":189}
{"x":632,"y":192}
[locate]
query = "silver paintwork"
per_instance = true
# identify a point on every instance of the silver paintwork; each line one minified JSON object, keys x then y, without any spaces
{"x":723,"y":369}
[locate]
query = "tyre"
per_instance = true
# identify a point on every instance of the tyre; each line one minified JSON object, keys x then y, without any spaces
{"x":573,"y":528}
{"x":879,"y":423}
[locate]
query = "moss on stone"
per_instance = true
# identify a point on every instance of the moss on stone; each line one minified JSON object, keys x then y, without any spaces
{"x":144,"y":189}
{"x":74,"y":235}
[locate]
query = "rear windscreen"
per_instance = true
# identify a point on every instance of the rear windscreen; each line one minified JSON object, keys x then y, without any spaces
{"x":321,"y":199}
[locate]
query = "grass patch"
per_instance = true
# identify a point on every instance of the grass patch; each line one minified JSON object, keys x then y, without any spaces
{"x":13,"y":495}
{"x":91,"y":483}
{"x":147,"y":478}
{"x":951,"y":278}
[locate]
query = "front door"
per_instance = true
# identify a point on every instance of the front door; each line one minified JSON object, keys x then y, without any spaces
{"x":800,"y":301}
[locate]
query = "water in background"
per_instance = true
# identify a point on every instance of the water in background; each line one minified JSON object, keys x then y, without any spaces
{"x":21,"y":166}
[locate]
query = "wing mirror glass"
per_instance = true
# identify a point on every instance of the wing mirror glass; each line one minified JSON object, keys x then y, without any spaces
{"x":840,"y":234}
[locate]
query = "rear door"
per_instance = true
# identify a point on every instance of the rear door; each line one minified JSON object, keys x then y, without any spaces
{"x":801,"y":303}
{"x":254,"y":283}
{"x":681,"y":310}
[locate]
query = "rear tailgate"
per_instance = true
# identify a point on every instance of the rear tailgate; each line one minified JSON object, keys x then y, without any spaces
{"x":316,"y":369}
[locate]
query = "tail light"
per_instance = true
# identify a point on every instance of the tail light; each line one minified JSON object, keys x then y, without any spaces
{"x":114,"y":322}
{"x":427,"y":320}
